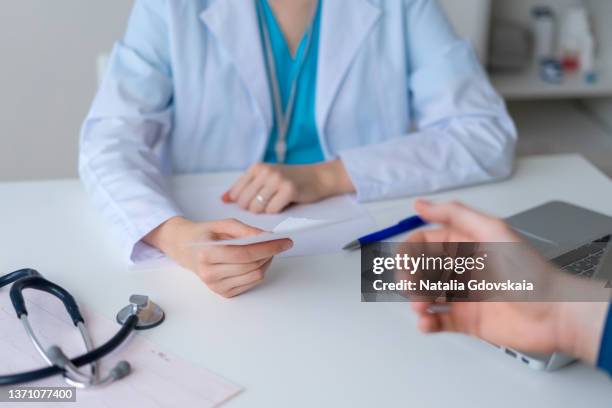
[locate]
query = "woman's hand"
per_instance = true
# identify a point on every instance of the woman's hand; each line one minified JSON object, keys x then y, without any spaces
{"x":270,"y":188}
{"x":227,"y":270}
{"x":570,"y":327}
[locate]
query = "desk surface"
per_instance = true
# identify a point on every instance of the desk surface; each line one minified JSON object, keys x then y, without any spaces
{"x":304,"y":338}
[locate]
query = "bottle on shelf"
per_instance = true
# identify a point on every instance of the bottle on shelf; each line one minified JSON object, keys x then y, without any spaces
{"x":577,"y":42}
{"x":545,"y":32}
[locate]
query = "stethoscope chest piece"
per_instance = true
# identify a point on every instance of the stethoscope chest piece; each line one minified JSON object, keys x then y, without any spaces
{"x":149,"y":314}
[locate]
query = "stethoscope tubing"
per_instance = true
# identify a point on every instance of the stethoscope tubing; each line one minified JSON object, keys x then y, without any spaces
{"x":105,"y":349}
{"x":283,"y":119}
{"x":17,"y":275}
{"x":72,"y":374}
{"x":41,"y":284}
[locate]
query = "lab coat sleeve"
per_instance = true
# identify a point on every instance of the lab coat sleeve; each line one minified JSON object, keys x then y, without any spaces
{"x":120,"y":160}
{"x":462,"y":132}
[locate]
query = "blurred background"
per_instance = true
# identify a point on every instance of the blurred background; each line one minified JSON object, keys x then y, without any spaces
{"x":550,"y":59}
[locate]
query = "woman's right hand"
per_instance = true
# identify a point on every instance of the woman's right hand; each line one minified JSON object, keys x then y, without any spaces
{"x":226,"y":270}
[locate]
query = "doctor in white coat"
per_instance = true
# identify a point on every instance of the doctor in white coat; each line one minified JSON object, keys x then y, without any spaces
{"x":311,"y":98}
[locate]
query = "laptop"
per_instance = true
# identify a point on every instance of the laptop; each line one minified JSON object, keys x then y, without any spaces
{"x":575,"y":239}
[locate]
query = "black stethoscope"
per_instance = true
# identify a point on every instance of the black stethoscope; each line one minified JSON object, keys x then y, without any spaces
{"x":141,"y":314}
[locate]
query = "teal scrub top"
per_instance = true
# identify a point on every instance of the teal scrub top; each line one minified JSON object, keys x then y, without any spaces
{"x":303,"y":144}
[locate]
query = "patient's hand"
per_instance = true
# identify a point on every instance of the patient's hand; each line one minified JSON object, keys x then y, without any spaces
{"x":570,"y":327}
{"x":270,"y":188}
{"x":227,"y":270}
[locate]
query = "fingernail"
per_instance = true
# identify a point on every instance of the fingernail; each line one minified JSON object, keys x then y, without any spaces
{"x":287,"y":245}
{"x":226,"y":197}
{"x":438,"y":309}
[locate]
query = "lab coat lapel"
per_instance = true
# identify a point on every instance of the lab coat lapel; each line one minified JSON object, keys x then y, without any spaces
{"x":234,"y":25}
{"x":344,"y":26}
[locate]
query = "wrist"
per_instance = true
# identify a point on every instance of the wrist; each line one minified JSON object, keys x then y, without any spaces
{"x":166,"y":234}
{"x":333,"y":179}
{"x":580,"y":326}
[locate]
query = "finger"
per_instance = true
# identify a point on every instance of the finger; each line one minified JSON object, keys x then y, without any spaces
{"x":241,"y":289}
{"x":236,"y":189}
{"x":448,"y":323}
{"x":429,"y":236}
{"x":429,"y":324}
{"x":456,"y":320}
{"x":283,"y":197}
{"x":266,"y":192}
{"x":234,"y":228}
{"x":455,"y":215}
{"x":246,"y":253}
{"x":420,"y":307}
{"x":248,"y":193}
{"x":226,"y":271}
{"x":242,"y":280}
{"x":434,"y":317}
{"x":438,"y":235}
{"x":249,"y":278}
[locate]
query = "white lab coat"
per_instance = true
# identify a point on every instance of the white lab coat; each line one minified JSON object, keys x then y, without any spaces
{"x":400,"y":99}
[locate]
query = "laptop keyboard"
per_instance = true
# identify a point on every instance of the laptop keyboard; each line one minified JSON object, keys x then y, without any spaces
{"x":583,"y":261}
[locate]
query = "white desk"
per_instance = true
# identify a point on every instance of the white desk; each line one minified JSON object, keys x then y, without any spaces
{"x":304,"y":338}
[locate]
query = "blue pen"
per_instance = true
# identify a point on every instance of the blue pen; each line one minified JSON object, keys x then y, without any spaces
{"x":406,"y":225}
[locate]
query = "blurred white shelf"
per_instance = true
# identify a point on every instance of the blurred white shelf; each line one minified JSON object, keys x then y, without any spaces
{"x":528,"y":85}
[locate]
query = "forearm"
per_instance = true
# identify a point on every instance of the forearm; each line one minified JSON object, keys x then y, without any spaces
{"x":467,"y":151}
{"x":120,"y":192}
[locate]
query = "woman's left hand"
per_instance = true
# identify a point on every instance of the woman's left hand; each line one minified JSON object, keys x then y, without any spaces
{"x":270,"y":188}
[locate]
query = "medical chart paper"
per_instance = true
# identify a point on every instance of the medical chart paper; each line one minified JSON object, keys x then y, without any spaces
{"x":158,"y":379}
{"x":317,"y":228}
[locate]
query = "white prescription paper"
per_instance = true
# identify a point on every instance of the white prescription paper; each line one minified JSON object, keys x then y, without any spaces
{"x":319,"y":228}
{"x":291,"y":228}
{"x":158,"y":379}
